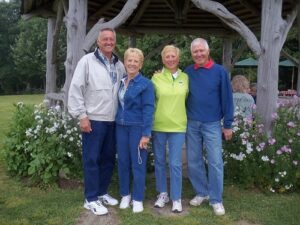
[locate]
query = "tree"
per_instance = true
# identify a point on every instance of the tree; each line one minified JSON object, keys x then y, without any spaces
{"x":9,"y":17}
{"x":29,"y":53}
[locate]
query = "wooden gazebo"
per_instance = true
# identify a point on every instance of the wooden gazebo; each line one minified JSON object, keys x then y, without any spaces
{"x":268,"y":19}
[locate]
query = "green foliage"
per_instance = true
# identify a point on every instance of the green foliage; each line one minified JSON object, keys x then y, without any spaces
{"x":29,"y":53}
{"x":9,"y":17}
{"x":271,"y":163}
{"x":42,"y":144}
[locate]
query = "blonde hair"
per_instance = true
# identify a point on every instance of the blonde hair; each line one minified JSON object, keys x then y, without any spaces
{"x":134,"y":51}
{"x":170,"y":48}
{"x":240,"y":84}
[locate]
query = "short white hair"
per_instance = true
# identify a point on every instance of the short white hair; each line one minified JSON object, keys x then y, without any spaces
{"x":199,"y":41}
{"x":107,"y":29}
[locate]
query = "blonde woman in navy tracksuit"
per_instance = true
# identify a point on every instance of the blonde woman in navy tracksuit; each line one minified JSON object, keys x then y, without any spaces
{"x":133,"y":131}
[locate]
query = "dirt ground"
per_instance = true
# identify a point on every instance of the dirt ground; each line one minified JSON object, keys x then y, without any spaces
{"x":88,"y":218}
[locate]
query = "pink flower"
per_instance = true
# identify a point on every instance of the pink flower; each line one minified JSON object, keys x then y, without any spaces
{"x":291,"y":124}
{"x":272,"y":161}
{"x":298,"y":133}
{"x":262,"y":145}
{"x":274,"y":116}
{"x":271,"y":141}
{"x":285,"y":149}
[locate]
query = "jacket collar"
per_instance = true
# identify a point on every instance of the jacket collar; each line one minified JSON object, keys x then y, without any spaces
{"x":135,"y":79}
{"x":96,"y":53}
{"x":208,"y":65}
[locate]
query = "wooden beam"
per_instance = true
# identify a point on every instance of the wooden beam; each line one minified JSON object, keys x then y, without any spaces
{"x":170,"y":4}
{"x":39,"y":13}
{"x":165,"y":30}
{"x":59,"y":20}
{"x":248,"y":5}
{"x":140,"y":12}
{"x":290,"y":57}
{"x":103,"y":8}
{"x":227,"y":54}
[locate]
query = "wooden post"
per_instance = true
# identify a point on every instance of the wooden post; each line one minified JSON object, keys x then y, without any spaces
{"x":76,"y":21}
{"x":132,"y":41}
{"x":227,"y":54}
{"x":272,"y":42}
{"x":51,"y":69}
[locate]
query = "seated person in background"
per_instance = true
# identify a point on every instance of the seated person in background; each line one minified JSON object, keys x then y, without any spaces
{"x":253,"y":90}
{"x":242,"y":100}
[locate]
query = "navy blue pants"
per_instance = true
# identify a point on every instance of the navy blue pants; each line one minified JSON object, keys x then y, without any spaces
{"x":98,"y":158}
{"x":132,"y":161}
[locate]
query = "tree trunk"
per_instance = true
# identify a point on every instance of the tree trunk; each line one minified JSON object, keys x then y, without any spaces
{"x":267,"y":91}
{"x":51,"y":69}
{"x":76,"y":21}
{"x":227,"y":54}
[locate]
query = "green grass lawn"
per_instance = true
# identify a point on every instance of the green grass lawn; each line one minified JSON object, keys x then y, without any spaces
{"x":20,"y":204}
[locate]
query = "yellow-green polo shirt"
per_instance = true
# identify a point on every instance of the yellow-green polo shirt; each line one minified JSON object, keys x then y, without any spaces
{"x":170,"y":96}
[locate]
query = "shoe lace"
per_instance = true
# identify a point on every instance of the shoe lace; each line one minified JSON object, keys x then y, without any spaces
{"x":99,"y":203}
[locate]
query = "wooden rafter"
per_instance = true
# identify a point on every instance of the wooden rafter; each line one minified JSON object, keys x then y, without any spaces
{"x":254,"y":10}
{"x":140,"y":12}
{"x":170,"y":4}
{"x":105,"y":7}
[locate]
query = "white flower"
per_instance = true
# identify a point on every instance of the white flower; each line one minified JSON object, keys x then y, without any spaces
{"x":272,"y":190}
{"x":265,"y":158}
{"x":28,"y":132}
{"x":20,"y":104}
{"x":71,"y":139}
{"x":276,"y":179}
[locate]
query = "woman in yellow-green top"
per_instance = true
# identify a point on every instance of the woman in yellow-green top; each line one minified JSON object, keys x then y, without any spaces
{"x":169,"y":127}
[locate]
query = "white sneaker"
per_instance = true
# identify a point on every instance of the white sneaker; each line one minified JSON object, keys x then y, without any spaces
{"x":218,"y":209}
{"x":177,"y":207}
{"x":137,"y":206}
{"x":96,"y":207}
{"x":197,"y":200}
{"x":108,"y":200}
{"x":125,"y":202}
{"x":162,"y":199}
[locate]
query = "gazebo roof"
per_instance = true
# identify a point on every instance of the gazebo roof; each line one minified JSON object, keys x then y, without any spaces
{"x":164,"y":16}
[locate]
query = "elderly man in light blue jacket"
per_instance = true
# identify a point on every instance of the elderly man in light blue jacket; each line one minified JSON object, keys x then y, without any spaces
{"x":93,"y":100}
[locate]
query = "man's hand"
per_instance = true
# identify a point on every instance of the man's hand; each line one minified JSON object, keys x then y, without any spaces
{"x":85,"y":125}
{"x":144,"y":142}
{"x":227,"y":134}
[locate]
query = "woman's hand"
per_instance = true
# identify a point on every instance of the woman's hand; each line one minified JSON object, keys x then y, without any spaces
{"x":144,"y":142}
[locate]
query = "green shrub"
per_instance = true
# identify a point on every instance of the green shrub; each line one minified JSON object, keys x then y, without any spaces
{"x":43,"y":143}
